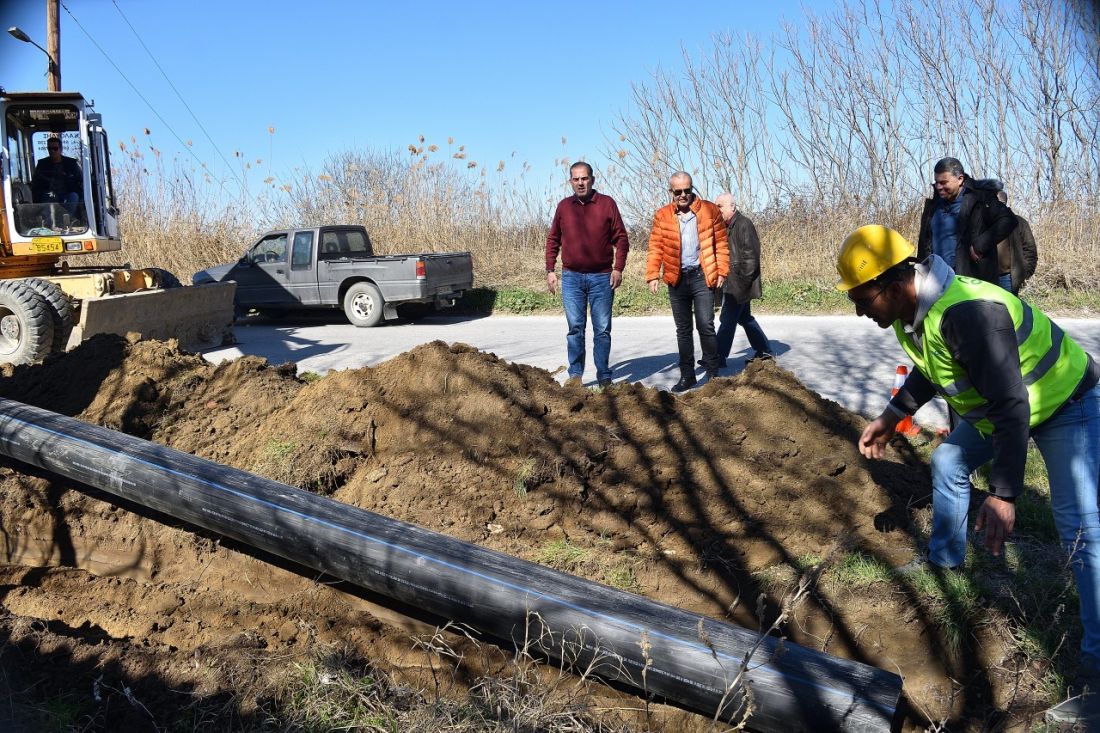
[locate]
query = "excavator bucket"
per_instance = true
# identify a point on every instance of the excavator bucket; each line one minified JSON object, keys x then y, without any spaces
{"x":198,"y":317}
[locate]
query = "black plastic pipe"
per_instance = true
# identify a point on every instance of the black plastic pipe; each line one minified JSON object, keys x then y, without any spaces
{"x":658,"y":649}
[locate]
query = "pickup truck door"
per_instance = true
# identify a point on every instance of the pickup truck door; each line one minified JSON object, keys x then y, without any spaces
{"x":261,"y":274}
{"x":301,"y":279}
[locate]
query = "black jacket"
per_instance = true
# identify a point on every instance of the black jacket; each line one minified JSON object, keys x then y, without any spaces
{"x":983,"y":222}
{"x":743,"y":282}
{"x":53,"y":181}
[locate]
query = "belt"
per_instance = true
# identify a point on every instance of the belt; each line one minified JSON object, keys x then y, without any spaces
{"x":689,"y":270}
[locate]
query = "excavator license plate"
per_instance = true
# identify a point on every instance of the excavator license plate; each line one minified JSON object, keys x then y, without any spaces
{"x":46,"y":245}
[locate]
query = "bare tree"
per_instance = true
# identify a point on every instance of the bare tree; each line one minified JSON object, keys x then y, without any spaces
{"x":855,"y":104}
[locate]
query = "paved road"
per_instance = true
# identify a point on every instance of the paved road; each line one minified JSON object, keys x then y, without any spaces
{"x":843,"y":358}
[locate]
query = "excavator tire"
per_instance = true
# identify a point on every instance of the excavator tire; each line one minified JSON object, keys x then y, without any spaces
{"x":61,"y":310}
{"x":26,"y":324}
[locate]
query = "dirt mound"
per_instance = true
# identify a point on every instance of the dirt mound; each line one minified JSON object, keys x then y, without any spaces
{"x":700,"y":501}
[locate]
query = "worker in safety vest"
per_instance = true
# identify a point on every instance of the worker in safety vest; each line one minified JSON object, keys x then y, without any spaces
{"x":1011,"y":373}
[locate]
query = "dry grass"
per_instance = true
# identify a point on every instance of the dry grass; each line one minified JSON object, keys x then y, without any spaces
{"x":183,"y":220}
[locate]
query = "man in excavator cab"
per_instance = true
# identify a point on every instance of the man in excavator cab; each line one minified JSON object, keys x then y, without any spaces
{"x":58,"y":179}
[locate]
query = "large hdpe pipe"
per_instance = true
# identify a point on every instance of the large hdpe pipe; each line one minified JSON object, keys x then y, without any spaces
{"x":658,"y":649}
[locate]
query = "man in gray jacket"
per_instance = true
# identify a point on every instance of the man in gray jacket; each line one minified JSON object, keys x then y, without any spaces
{"x":742,"y":286}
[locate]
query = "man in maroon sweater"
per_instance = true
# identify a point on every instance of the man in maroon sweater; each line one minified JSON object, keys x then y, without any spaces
{"x":589,"y":232}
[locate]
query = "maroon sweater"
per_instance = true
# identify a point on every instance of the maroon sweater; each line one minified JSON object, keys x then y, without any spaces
{"x":587,"y":233}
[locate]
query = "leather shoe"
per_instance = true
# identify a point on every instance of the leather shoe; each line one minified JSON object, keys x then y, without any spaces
{"x":605,"y":383}
{"x":712,"y":373}
{"x":684,"y":384}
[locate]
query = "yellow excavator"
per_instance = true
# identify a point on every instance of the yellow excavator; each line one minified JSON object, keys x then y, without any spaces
{"x":57,"y":204}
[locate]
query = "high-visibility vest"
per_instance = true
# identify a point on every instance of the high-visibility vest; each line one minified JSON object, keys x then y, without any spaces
{"x":1051,"y":363}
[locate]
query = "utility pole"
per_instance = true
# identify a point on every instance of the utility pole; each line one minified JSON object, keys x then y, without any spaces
{"x":53,"y":45}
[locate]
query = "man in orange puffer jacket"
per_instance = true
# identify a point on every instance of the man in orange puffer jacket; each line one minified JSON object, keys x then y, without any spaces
{"x":688,"y":243}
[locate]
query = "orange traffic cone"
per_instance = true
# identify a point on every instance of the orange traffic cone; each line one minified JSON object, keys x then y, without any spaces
{"x":906,"y":426}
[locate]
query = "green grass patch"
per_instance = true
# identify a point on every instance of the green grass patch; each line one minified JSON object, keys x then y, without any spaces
{"x":523,"y":475}
{"x":561,"y":554}
{"x":280,"y":449}
{"x":310,"y":377}
{"x":64,"y":711}
{"x":1059,"y":301}
{"x":802,"y":297}
{"x":780,"y":297}
{"x":858,"y":570}
{"x":635,"y":299}
{"x":621,"y":575}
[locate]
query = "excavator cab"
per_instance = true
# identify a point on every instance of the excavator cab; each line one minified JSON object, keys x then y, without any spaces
{"x":56,"y":175}
{"x":57,"y":202}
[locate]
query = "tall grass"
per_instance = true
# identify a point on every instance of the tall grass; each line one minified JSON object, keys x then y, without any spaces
{"x":180,"y":217}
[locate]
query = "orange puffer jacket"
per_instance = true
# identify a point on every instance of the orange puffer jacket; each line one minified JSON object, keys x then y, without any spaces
{"x":664,"y":244}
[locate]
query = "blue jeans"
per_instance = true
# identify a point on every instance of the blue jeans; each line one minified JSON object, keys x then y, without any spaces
{"x":1005,"y":281}
{"x":692,"y":294}
{"x":581,"y":292}
{"x":1070,"y":445}
{"x":733,"y":314}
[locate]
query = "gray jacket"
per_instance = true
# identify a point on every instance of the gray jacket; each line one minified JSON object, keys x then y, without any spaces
{"x":743,"y":282}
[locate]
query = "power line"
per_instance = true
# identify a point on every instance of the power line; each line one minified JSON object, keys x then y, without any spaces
{"x":173,"y":86}
{"x":148,"y":104}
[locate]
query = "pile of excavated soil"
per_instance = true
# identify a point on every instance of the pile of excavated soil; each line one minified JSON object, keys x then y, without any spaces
{"x":691,"y":500}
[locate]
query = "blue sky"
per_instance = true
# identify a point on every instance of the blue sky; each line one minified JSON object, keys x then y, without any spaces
{"x":500,"y":78}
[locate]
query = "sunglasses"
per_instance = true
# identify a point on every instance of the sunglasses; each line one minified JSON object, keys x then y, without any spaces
{"x":679,"y":191}
{"x":865,"y":302}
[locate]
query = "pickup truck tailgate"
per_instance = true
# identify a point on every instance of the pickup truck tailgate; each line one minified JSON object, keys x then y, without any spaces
{"x":449,"y":271}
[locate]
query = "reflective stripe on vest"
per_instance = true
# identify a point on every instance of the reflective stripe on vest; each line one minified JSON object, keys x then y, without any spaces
{"x":1051,"y":363}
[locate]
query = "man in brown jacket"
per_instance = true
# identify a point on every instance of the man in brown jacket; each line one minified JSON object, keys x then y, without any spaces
{"x":687,"y":249}
{"x":742,"y":286}
{"x":1017,"y":255}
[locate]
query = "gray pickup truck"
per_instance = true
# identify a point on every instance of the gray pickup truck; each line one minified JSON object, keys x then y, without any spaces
{"x":335,"y":267}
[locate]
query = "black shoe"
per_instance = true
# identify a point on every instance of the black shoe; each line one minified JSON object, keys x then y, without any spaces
{"x":605,"y":383}
{"x":684,"y":384}
{"x":721,"y":364}
{"x":761,"y":356}
{"x":712,"y":373}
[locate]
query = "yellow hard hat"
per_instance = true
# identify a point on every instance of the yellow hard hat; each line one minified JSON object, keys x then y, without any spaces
{"x":868,"y":252}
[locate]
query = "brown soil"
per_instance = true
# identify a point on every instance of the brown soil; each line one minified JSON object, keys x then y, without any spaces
{"x":682,"y":499}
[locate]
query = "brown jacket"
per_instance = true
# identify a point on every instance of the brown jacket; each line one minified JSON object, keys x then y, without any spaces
{"x":664,"y":244}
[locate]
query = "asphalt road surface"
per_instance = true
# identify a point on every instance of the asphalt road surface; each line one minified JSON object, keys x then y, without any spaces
{"x":843,"y":358}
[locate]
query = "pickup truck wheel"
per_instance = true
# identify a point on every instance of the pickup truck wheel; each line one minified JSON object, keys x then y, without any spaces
{"x":363,"y":305}
{"x":61,"y":310}
{"x":26,"y":324}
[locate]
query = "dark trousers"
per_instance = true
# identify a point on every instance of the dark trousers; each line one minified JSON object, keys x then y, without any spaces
{"x":692,"y":293}
{"x":734,"y":314}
